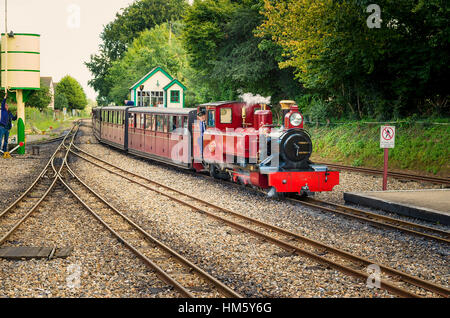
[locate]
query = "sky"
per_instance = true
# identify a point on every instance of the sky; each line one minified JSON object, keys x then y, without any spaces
{"x":70,"y":32}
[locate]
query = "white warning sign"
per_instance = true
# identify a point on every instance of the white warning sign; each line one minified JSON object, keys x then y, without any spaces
{"x":387,"y":137}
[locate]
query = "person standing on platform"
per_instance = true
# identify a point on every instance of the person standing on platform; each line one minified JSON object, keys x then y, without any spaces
{"x":6,"y":118}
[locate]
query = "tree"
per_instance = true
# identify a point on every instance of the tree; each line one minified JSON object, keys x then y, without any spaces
{"x":118,"y":35}
{"x":74,"y":93}
{"x":40,"y":98}
{"x":387,"y":71}
{"x":61,"y":101}
{"x":227,"y":57}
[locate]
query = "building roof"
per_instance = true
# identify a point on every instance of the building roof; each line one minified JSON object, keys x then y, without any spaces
{"x":150,"y":74}
{"x":162,"y":110}
{"x":174,"y":81}
{"x":113,"y":108}
{"x":47,"y":81}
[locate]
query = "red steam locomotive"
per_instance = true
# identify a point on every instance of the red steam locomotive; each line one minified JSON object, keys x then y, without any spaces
{"x":232,"y":140}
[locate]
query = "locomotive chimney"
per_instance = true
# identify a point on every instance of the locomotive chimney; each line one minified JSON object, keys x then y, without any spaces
{"x":286,"y":106}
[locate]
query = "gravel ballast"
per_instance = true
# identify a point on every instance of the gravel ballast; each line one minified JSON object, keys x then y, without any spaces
{"x":248,"y":265}
{"x":413,"y":255}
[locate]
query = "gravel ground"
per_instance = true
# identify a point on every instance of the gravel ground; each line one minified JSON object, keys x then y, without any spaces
{"x":248,"y":265}
{"x":19,"y":172}
{"x":106,"y":268}
{"x":254,"y":268}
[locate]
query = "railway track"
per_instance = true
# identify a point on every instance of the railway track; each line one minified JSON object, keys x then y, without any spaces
{"x":392,"y":280}
{"x":187,"y":278}
{"x":376,"y":219}
{"x":169,"y":266}
{"x":19,"y":211}
{"x":397,"y":175}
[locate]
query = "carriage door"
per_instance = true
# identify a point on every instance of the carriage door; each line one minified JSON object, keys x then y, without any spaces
{"x":131,"y":130}
{"x":148,"y":133}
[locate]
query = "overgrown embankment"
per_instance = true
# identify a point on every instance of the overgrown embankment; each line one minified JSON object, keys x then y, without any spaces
{"x":38,"y":121}
{"x":418,"y":147}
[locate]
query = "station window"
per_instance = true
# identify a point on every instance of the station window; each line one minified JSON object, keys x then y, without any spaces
{"x":211,"y":118}
{"x":174,"y":96}
{"x":226,"y":115}
{"x":157,"y":98}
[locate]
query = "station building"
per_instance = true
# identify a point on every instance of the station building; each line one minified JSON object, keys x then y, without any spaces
{"x":158,"y":89}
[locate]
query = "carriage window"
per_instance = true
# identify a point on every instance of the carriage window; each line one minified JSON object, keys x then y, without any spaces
{"x":148,"y":121}
{"x":179,"y":121}
{"x":160,"y":123}
{"x":211,"y":118}
{"x":114,"y":117}
{"x":131,"y":120}
{"x":142,"y":121}
{"x":172,"y":123}
{"x":153,"y":122}
{"x":119,"y":118}
{"x":226,"y":115}
{"x":166,"y":123}
{"x":138,"y":120}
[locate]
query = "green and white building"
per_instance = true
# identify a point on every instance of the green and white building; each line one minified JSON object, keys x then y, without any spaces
{"x":158,"y":89}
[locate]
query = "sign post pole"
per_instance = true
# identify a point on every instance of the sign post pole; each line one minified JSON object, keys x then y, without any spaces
{"x":387,"y":140}
{"x":386,"y":157}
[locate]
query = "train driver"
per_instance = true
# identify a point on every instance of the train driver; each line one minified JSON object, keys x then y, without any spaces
{"x":201,"y":118}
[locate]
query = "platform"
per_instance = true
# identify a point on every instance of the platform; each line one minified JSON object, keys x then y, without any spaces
{"x":430,"y":205}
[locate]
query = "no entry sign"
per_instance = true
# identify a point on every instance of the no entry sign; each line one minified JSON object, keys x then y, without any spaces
{"x":387,"y":137}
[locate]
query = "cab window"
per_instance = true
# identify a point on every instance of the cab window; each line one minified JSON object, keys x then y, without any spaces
{"x":211,"y":121}
{"x":226,"y":115}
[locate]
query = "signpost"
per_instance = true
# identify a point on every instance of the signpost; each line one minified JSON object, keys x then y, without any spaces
{"x":387,"y":140}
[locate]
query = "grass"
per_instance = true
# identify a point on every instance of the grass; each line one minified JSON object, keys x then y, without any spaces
{"x":418,"y":147}
{"x":42,"y":120}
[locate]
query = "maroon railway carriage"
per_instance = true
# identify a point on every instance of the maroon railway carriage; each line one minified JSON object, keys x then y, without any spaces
{"x":240,"y":143}
{"x":162,"y":134}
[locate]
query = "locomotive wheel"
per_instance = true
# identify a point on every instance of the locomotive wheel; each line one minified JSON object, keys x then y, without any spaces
{"x":217,"y":173}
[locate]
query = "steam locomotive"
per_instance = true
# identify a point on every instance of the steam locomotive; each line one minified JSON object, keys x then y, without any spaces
{"x":231,"y":140}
